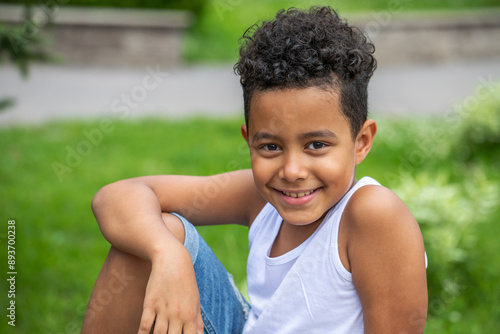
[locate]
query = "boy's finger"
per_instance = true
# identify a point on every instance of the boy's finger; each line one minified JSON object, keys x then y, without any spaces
{"x":162,"y":326}
{"x":147,"y":321}
{"x":190,"y":329}
{"x":174,"y":327}
{"x":199,"y":324}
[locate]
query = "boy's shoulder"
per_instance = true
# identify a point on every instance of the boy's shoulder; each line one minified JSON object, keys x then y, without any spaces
{"x":375,"y":207}
{"x":377,"y":230}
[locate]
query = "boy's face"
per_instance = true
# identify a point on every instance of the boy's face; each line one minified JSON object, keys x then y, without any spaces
{"x":302,"y":151}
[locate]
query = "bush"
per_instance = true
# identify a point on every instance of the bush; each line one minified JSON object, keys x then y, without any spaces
{"x":22,"y":45}
{"x":448,"y":214}
{"x":479,"y":134}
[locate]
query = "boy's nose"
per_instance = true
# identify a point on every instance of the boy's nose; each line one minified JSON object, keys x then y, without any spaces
{"x":293,"y":168}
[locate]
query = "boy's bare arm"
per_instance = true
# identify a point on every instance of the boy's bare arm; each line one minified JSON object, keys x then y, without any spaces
{"x":386,"y":257}
{"x":228,"y":198}
{"x":130,"y":218}
{"x":129,"y":213}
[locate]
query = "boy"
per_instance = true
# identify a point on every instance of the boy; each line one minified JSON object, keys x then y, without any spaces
{"x":328,"y":253}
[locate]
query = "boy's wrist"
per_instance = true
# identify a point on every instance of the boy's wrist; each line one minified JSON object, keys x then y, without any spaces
{"x":168,"y":251}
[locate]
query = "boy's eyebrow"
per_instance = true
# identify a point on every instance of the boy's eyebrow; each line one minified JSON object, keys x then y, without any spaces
{"x":259,"y":135}
{"x":313,"y":134}
{"x":318,"y":134}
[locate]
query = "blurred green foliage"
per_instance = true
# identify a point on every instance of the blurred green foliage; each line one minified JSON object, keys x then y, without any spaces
{"x":21,"y":45}
{"x":60,"y":249}
{"x":479,"y":136}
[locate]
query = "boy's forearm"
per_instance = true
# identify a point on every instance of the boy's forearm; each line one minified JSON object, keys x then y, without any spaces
{"x":130,"y":218}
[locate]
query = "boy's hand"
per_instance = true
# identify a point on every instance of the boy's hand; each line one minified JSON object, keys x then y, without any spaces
{"x":172,"y":301}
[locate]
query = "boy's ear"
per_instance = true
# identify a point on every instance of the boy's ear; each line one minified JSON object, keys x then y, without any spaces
{"x":244,"y":132}
{"x":364,"y":140}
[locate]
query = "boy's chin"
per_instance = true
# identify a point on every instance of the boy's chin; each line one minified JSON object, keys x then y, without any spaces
{"x":298,"y":219}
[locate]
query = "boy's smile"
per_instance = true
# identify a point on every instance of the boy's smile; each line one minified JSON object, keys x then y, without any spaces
{"x":302,"y":150}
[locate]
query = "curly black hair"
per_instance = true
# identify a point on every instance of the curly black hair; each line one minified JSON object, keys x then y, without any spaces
{"x":308,"y":48}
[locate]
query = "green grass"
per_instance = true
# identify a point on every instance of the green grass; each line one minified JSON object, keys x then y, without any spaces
{"x":60,"y":249}
{"x":214,"y":37}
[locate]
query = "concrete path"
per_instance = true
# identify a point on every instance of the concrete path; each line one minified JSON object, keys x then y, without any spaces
{"x":61,"y":93}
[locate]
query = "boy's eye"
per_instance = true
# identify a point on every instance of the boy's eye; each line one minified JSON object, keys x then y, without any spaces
{"x":316,"y":145}
{"x":270,"y":147}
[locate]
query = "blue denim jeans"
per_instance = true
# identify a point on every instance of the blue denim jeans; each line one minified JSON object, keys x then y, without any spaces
{"x":223,"y":308}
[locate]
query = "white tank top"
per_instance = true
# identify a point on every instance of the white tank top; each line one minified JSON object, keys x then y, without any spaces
{"x":306,"y":290}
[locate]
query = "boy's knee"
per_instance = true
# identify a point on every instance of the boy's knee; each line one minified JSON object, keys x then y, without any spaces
{"x":175,"y":226}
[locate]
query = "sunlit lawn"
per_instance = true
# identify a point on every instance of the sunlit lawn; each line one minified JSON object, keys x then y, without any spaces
{"x":60,"y":249}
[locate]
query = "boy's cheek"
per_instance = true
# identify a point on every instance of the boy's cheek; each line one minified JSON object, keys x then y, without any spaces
{"x":261,"y":173}
{"x":258,"y":175}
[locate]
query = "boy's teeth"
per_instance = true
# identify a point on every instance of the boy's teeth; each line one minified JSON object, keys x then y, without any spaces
{"x":297,"y":195}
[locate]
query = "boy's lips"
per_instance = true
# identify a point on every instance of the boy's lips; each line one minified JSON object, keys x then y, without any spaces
{"x":297,"y":197}
{"x":296,"y":194}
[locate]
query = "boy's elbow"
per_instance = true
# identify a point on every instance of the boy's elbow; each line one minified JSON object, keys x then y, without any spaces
{"x":111,"y":195}
{"x":103,"y":196}
{"x":99,"y":200}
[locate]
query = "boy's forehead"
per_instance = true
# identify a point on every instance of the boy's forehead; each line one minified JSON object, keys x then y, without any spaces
{"x":303,"y":100}
{"x":312,"y":107}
